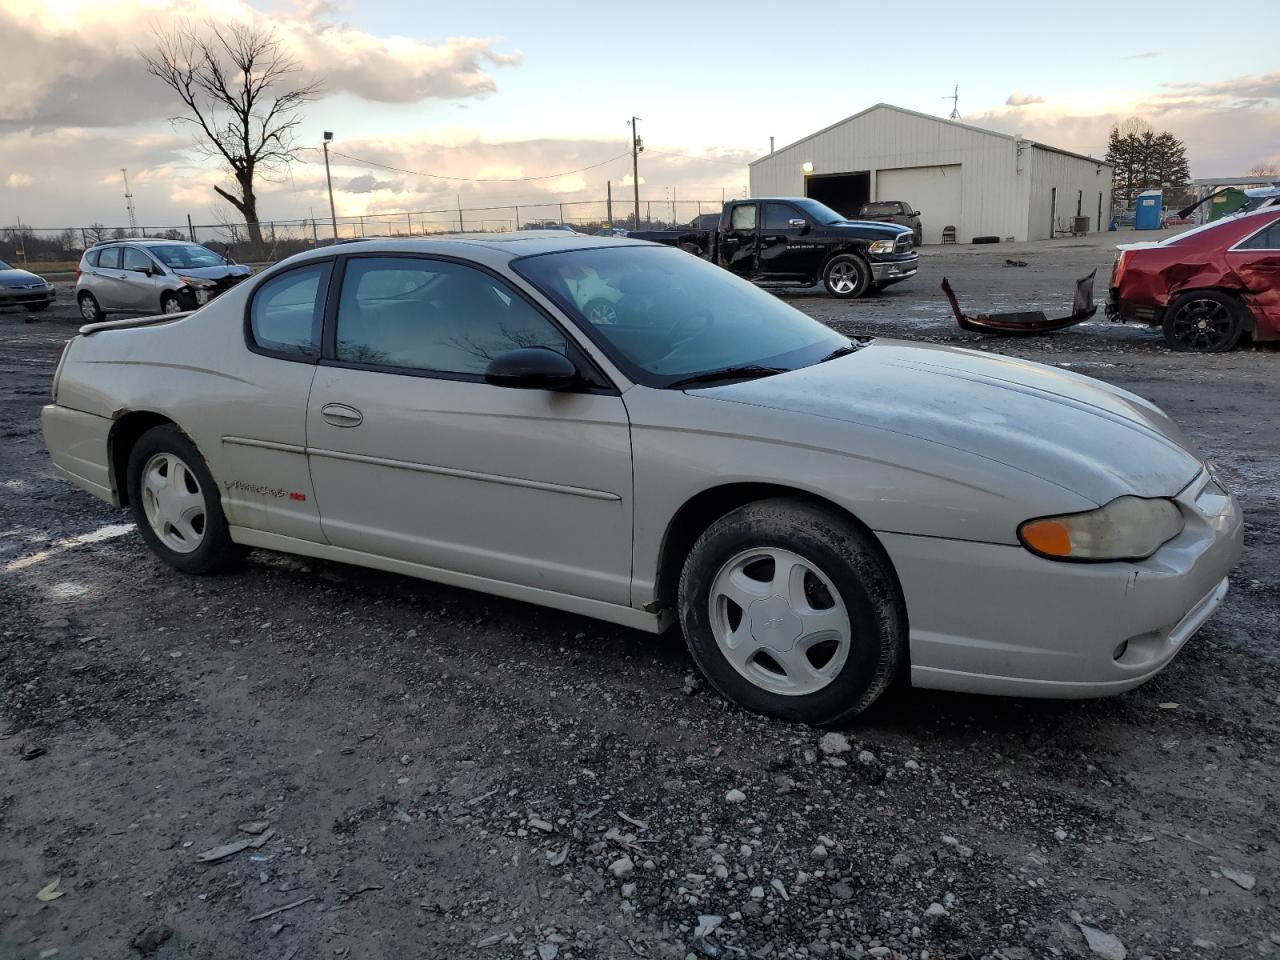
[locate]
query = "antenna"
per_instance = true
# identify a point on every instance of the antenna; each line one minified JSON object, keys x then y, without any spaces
{"x":128,"y":202}
{"x":955,"y":103}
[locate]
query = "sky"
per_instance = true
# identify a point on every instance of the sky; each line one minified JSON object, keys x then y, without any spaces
{"x":493,"y":90}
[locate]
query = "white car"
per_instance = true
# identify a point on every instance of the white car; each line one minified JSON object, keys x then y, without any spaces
{"x":816,"y":514}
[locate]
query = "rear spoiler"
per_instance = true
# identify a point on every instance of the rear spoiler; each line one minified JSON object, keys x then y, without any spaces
{"x":1025,"y":322}
{"x":149,"y":321}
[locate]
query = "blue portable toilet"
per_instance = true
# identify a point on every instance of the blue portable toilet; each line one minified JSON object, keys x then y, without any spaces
{"x":1150,"y":210}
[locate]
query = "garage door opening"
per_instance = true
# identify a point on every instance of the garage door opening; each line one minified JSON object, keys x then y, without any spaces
{"x":844,"y":193}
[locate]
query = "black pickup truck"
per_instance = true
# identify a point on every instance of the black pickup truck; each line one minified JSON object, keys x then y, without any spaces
{"x":795,"y":240}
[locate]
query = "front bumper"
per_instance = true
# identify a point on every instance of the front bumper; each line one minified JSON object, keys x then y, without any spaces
{"x":894,"y":270}
{"x":25,"y":296}
{"x":995,"y":619}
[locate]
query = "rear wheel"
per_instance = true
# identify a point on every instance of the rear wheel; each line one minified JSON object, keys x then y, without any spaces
{"x":791,"y":610}
{"x":89,"y":308}
{"x":176,"y":505}
{"x":1205,"y":321}
{"x":846,"y":277}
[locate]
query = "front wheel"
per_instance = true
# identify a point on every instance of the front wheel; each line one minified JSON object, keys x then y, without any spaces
{"x":791,"y":610}
{"x":846,"y":277}
{"x":1206,"y":322}
{"x":176,"y":505}
{"x":171,"y":303}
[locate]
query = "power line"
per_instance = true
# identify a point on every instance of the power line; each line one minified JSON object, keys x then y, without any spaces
{"x":441,"y":176}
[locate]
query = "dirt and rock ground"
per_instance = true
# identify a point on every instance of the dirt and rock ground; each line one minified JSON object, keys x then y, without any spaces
{"x":441,"y":774}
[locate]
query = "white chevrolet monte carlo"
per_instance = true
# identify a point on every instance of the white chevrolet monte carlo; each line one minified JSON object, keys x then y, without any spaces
{"x":817,"y":514}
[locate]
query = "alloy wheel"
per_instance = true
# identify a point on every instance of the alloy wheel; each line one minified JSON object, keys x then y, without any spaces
{"x":779,"y":621}
{"x":844,"y":278}
{"x":171,"y":305}
{"x":173,"y":503}
{"x":1203,"y":324}
{"x":88,"y":309}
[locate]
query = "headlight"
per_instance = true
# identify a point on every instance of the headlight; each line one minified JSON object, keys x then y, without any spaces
{"x":1127,"y":528}
{"x":882,"y":246}
{"x":196,"y":282}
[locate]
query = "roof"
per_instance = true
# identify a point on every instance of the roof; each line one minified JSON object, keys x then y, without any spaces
{"x":146,"y":240}
{"x":927,"y":116}
{"x":487,"y":247}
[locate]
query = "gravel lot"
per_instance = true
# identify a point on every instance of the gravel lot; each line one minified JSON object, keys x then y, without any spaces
{"x":441,"y":774}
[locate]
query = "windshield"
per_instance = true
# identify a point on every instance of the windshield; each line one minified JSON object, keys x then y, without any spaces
{"x":4,"y":266}
{"x":819,"y":211}
{"x":880,"y":209}
{"x":186,"y":255}
{"x":662,"y":315}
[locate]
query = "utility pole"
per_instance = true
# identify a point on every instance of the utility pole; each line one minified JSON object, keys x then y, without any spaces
{"x":771,"y":144}
{"x":128,"y":203}
{"x":608,"y":184}
{"x":22,"y":239}
{"x":190,"y":229}
{"x":333,"y":213}
{"x":636,"y":147}
{"x":460,"y":227}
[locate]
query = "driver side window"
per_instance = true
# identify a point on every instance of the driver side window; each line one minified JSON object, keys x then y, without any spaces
{"x":434,"y":316}
{"x":136,"y":260}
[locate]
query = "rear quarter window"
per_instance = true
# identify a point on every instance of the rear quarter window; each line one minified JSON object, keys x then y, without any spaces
{"x":287,"y":311}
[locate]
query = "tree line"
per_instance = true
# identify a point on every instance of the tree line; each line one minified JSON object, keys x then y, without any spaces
{"x":1142,"y":159}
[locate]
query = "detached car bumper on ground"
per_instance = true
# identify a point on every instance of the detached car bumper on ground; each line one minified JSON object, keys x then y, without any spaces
{"x":817,"y":515}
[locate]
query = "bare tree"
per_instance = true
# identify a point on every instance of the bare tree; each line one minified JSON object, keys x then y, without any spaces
{"x":1265,"y":170}
{"x":235,"y":82}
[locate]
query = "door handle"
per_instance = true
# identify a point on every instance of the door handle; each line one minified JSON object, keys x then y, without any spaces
{"x":341,"y":415}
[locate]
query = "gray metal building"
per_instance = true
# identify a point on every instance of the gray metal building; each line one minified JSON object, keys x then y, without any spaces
{"x":980,"y":182}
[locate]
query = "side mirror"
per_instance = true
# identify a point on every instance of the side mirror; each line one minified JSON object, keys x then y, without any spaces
{"x":145,"y":271}
{"x":799,"y":223}
{"x":531,"y":368}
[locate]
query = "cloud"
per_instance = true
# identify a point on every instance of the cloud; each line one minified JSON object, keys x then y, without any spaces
{"x":1227,"y":126}
{"x":1146,"y":55}
{"x":77,"y":63}
{"x":1019,"y":99}
{"x":16,"y":180}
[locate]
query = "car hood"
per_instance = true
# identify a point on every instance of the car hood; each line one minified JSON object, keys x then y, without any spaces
{"x":890,"y":231}
{"x":17,"y":278}
{"x":214,"y":273}
{"x":1081,"y":434}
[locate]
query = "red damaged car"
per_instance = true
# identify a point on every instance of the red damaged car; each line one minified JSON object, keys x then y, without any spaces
{"x":1208,"y":287}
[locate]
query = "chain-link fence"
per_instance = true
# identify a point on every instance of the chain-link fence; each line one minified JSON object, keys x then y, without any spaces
{"x":271,"y":240}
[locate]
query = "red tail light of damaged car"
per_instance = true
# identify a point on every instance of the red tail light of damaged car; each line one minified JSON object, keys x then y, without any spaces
{"x":1128,"y":528}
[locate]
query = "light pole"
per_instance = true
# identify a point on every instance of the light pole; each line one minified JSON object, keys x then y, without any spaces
{"x":333,"y":213}
{"x":636,"y":147}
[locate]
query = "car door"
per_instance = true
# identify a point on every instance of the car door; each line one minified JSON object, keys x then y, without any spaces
{"x":139,"y":290}
{"x":738,"y":242}
{"x":108,"y":285}
{"x":784,"y":254}
{"x":415,"y":457}
{"x":1256,"y":261}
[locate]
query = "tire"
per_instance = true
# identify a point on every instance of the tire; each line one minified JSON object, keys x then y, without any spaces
{"x":917,"y":238}
{"x":183,"y":524}
{"x":36,"y":307}
{"x":846,"y":276}
{"x":600,"y":311}
{"x":1206,"y":321}
{"x":837,"y":576}
{"x":89,"y":308}
{"x":170,"y":302}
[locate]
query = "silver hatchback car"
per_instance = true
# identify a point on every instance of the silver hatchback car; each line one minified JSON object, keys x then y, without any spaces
{"x":151,"y":276}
